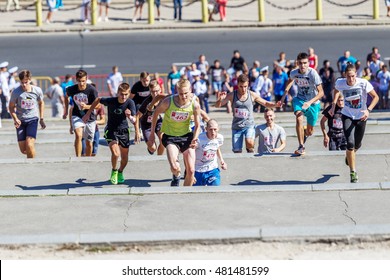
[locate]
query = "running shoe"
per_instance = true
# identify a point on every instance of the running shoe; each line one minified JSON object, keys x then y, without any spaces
{"x":300,"y":151}
{"x":354,"y":177}
{"x":121,"y":179}
{"x":175,"y":181}
{"x":114,"y":177}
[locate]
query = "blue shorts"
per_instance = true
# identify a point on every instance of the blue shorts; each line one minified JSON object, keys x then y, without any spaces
{"x":209,"y":178}
{"x":238,"y":137}
{"x":217,"y":86}
{"x":28,"y":128}
{"x":310,"y":113}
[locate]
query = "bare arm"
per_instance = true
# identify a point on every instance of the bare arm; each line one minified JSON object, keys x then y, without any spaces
{"x":223,"y":99}
{"x":90,"y":109}
{"x":324,"y":133}
{"x":11,"y":109}
{"x":262,"y":101}
{"x":288,"y":86}
{"x":41,"y":105}
{"x":161,"y":108}
{"x":222,"y":162}
{"x":66,"y":107}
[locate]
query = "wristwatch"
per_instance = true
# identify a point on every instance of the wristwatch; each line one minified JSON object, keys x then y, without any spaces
{"x":369,"y":110}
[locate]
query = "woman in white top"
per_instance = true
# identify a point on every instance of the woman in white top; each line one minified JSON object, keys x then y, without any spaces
{"x":355,"y":112}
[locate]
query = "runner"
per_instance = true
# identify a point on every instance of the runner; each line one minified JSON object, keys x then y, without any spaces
{"x":307,"y":101}
{"x":355,"y":112}
{"x":26,"y":107}
{"x":208,"y":152}
{"x":83,"y":95}
{"x":117,"y":130}
{"x":178,"y":136}
{"x":144,"y":117}
{"x":243,"y":125}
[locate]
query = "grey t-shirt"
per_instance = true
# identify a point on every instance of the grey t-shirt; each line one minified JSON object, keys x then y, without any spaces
{"x":27,"y":102}
{"x":268,"y":139}
{"x":307,"y":83}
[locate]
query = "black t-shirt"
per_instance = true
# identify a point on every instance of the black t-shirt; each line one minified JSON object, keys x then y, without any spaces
{"x":116,"y":112}
{"x":146,"y":119}
{"x":141,"y":93}
{"x":335,"y":123}
{"x":87,"y":96}
{"x":238,"y":63}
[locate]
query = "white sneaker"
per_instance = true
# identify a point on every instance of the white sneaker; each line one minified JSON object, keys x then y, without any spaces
{"x":106,"y":19}
{"x":134,"y":20}
{"x":99,"y":19}
{"x":47,"y":21}
{"x":86,"y":21}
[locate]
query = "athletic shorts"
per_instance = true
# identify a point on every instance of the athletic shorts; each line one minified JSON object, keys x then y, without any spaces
{"x":121,"y":136}
{"x":27,"y":128}
{"x":181,"y":142}
{"x":146,"y":132}
{"x":209,"y":178}
{"x":88,"y":128}
{"x":157,"y":3}
{"x":310,"y":113}
{"x":238,"y":136}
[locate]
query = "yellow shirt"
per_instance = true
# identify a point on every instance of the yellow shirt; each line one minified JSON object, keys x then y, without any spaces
{"x":176,"y":120}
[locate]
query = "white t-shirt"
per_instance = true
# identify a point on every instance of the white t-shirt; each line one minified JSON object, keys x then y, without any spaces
{"x":206,"y":152}
{"x":355,"y":97}
{"x":269,"y":139}
{"x":115,"y":79}
{"x":307,"y":83}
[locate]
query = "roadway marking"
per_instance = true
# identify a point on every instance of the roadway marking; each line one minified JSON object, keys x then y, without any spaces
{"x":80,"y":66}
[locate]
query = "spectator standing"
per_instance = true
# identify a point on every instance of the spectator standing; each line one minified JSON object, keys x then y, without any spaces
{"x":56,"y":96}
{"x":279,"y":80}
{"x":27,"y":109}
{"x":384,"y":82}
{"x":202,"y":64}
{"x":216,"y":72}
{"x":328,"y":78}
{"x":12,"y":84}
{"x":173,"y":78}
{"x":106,"y":5}
{"x":157,"y":3}
{"x":4,"y":90}
{"x":313,"y":59}
{"x":342,"y":62}
{"x":85,"y":11}
{"x":375,"y":65}
{"x":9,"y":3}
{"x":387,"y":2}
{"x":160,"y":81}
{"x":200,"y":89}
{"x":375,"y":51}
{"x":334,"y":138}
{"x":139,"y":4}
{"x":53,"y":6}
{"x":270,"y":134}
{"x":177,"y":7}
{"x":114,"y":79}
{"x":237,"y":63}
{"x":222,"y":9}
{"x":140,"y":90}
{"x":207,"y":153}
{"x":227,"y":87}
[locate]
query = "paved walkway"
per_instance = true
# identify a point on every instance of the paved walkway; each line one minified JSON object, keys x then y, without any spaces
{"x":240,"y":13}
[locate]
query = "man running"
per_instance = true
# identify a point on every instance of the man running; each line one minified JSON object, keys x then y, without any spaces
{"x":178,"y":137}
{"x":117,"y":130}
{"x":307,"y":101}
{"x":243,"y":125}
{"x":26,"y":107}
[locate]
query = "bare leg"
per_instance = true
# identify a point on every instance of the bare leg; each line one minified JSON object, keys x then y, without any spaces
{"x":189,"y":162}
{"x":78,"y":132}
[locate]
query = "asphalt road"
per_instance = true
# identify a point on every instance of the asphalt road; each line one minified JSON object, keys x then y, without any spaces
{"x":154,"y":51}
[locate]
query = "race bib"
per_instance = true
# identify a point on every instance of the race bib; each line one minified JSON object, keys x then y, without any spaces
{"x":301,"y":82}
{"x":144,"y":93}
{"x":28,"y":104}
{"x":208,"y":155}
{"x":241,"y":113}
{"x":180,"y":116}
{"x":338,"y":123}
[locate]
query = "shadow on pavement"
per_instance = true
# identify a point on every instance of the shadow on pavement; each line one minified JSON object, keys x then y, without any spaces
{"x":251,"y":182}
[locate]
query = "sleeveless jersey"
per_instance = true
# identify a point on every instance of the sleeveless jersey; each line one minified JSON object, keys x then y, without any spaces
{"x":242,"y":112}
{"x":176,"y":120}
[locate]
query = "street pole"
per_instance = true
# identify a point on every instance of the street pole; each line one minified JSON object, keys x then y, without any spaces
{"x":261,"y":10}
{"x":82,"y":49}
{"x":38,"y":10}
{"x":151,"y":11}
{"x":93,"y":12}
{"x":319,"y":9}
{"x":205,"y":11}
{"x":375,"y":9}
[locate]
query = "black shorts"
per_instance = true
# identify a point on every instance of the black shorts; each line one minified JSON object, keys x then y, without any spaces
{"x":27,"y":128}
{"x":182,"y":142}
{"x":122,"y":136}
{"x":146,"y":132}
